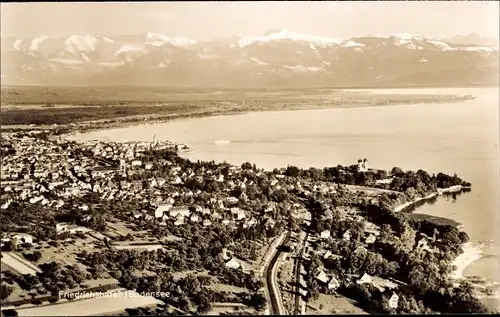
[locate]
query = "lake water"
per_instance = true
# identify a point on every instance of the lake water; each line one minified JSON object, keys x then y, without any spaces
{"x":452,"y":138}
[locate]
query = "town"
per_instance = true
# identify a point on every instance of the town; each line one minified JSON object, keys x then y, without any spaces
{"x":213,"y":238}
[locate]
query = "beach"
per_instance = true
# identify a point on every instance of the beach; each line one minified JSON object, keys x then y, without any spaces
{"x":471,"y":253}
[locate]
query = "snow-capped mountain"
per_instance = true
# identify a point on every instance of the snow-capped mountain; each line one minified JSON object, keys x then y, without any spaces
{"x":278,"y":58}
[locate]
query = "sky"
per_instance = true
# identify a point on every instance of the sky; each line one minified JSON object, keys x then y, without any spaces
{"x":209,"y":20}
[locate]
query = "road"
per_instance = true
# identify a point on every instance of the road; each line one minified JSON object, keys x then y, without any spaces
{"x":19,"y":264}
{"x":298,"y":277}
{"x":276,"y":304}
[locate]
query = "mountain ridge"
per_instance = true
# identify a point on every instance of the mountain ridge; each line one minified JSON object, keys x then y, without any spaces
{"x":278,"y":58}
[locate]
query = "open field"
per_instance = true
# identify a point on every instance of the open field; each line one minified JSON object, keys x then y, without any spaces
{"x":333,"y":304}
{"x":63,"y":105}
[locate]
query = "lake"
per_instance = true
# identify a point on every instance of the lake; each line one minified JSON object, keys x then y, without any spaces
{"x":452,"y":138}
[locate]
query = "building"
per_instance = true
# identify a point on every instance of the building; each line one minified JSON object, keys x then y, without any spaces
{"x":238,"y":213}
{"x":136,"y":163}
{"x":363,"y":165}
{"x":233,"y":263}
{"x":365,"y":279}
{"x":347,"y":235}
{"x":325,"y":234}
{"x":393,"y":301}
{"x":162,"y":209}
{"x":207,"y":223}
{"x":322,"y":277}
{"x":179,"y":211}
{"x":194,"y":218}
{"x":232,"y":200}
{"x":22,"y":238}
{"x":179,"y":221}
{"x":370,"y":239}
{"x":333,"y":284}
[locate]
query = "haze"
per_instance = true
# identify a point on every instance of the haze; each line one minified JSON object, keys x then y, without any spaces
{"x":208,"y":20}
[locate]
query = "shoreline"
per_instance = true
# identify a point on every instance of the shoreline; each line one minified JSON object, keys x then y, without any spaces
{"x":148,"y":119}
{"x":471,"y":253}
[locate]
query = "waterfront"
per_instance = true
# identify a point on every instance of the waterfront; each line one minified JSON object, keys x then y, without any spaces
{"x":452,"y":138}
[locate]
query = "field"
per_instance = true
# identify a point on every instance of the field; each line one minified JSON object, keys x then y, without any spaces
{"x":333,"y":304}
{"x":23,"y":105}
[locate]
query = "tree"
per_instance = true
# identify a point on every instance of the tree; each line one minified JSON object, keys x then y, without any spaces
{"x":5,"y":291}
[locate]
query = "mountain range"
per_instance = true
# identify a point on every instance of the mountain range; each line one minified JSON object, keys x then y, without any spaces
{"x":276,"y":59}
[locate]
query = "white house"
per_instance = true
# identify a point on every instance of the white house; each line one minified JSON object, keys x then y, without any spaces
{"x":322,"y":277}
{"x":225,"y":255}
{"x":206,"y":223}
{"x":333,"y":284}
{"x":393,"y":301}
{"x":149,"y":166}
{"x":325,"y":234}
{"x":62,"y":226}
{"x":347,"y":235}
{"x":238,"y":213}
{"x":233,"y":263}
{"x":179,"y":221}
{"x":232,"y":200}
{"x":370,"y":239}
{"x":179,"y":211}
{"x":194,"y":218}
{"x":162,"y":209}
{"x":365,"y":279}
{"x":22,"y":238}
{"x":327,"y":255}
{"x":136,"y":163}
{"x":205,"y":211}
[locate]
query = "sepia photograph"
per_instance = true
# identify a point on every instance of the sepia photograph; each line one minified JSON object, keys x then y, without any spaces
{"x":249,"y":158}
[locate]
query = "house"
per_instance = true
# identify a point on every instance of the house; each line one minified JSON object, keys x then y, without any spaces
{"x":136,"y":163}
{"x":333,"y":284}
{"x":162,"y":209}
{"x":225,"y":255}
{"x":225,"y":222}
{"x":233,"y":263}
{"x":205,"y":211}
{"x":179,"y":211}
{"x":327,"y":255}
{"x":365,"y":279}
{"x":61,"y":227}
{"x":179,"y":221}
{"x":322,"y":277}
{"x":137,"y":214}
{"x":149,"y":166}
{"x":238,"y":213}
{"x":252,"y":222}
{"x":232,"y":200}
{"x":423,"y":245}
{"x":194,"y":218}
{"x":347,"y":235}
{"x":22,"y":238}
{"x":325,"y":234}
{"x":206,"y":223}
{"x":198,"y":208}
{"x":370,"y":239}
{"x":393,"y":301}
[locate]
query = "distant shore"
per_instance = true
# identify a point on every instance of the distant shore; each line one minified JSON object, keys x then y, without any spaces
{"x":127,"y":121}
